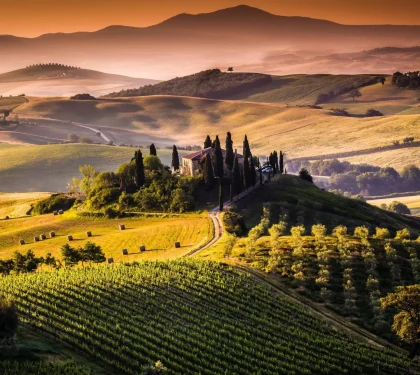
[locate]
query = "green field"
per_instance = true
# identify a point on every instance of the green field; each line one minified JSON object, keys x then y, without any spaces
{"x":158,"y":234}
{"x":51,"y":167}
{"x":194,"y":316}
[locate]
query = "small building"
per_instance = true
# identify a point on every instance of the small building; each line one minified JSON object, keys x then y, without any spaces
{"x":191,"y":164}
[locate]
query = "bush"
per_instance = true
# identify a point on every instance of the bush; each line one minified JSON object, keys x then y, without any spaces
{"x":373,"y":113}
{"x":8,"y":318}
{"x":403,"y":234}
{"x":98,"y":198}
{"x":85,"y":140}
{"x":399,"y":208}
{"x":83,"y":97}
{"x":54,"y":203}
{"x":339,"y":112}
{"x":234,"y":223}
{"x":382,"y":233}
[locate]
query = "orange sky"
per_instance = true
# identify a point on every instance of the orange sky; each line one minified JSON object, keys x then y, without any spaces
{"x":34,"y":17}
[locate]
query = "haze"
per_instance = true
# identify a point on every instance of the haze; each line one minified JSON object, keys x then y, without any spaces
{"x":32,"y":18}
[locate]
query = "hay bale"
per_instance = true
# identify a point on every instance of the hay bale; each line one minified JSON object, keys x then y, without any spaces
{"x":22,"y":242}
{"x":177,"y":245}
{"x":60,"y":212}
{"x":43,"y":237}
{"x":124,"y":251}
{"x":55,"y":213}
{"x":122,"y":227}
{"x":52,"y":234}
{"x":89,"y":234}
{"x":110,"y":260}
{"x":7,"y":218}
{"x":70,"y":238}
{"x":142,"y":248}
{"x":36,"y":239}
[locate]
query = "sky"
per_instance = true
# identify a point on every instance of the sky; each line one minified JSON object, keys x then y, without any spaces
{"x":31,"y":18}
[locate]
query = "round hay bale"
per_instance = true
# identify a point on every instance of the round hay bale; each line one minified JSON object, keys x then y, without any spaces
{"x":36,"y":239}
{"x":22,"y":242}
{"x":61,"y":212}
{"x":52,"y":234}
{"x":124,"y":251}
{"x":110,"y":260}
{"x":43,"y":237}
{"x":89,"y":234}
{"x":177,"y":245}
{"x":55,"y":213}
{"x":7,"y":218}
{"x":70,"y":238}
{"x":142,"y":248}
{"x":122,"y":227}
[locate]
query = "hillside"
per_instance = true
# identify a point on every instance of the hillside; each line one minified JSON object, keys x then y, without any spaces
{"x":212,"y":84}
{"x":188,"y":43}
{"x":51,"y":167}
{"x":63,"y":80}
{"x":194,"y":317}
{"x":306,"y":204}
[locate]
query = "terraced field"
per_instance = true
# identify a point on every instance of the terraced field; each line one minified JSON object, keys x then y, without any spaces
{"x":158,"y":234}
{"x":194,"y":316}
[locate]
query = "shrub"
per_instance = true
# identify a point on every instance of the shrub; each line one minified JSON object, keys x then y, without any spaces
{"x":373,"y":113}
{"x":83,"y":97}
{"x":339,"y":231}
{"x":234,"y":223}
{"x":54,"y":203}
{"x":85,"y":140}
{"x":361,"y":232}
{"x":8,"y":318}
{"x":403,"y":234}
{"x":73,"y":138}
{"x":319,"y":230}
{"x":382,"y":233}
{"x":339,"y":112}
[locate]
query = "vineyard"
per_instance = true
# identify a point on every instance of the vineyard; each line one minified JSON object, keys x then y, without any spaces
{"x":39,"y":368}
{"x":157,"y":233}
{"x":193,"y":316}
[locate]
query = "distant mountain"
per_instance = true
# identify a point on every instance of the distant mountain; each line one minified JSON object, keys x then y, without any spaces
{"x":212,"y":84}
{"x":188,"y":43}
{"x":63,"y":80}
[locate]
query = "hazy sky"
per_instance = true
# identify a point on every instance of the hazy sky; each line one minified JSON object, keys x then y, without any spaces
{"x":35,"y":17}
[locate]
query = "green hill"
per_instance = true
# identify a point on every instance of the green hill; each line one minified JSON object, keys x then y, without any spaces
{"x":194,"y":317}
{"x":306,"y":204}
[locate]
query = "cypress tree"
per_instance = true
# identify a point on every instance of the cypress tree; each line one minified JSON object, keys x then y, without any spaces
{"x":218,"y":159}
{"x":153,"y":150}
{"x":276,"y":162}
{"x":260,"y":172}
{"x":246,"y":152}
{"x":175,"y":159}
{"x":229,"y":151}
{"x":252,"y":172}
{"x":208,"y":172}
{"x":281,"y":163}
{"x":207,"y":142}
{"x":140,"y":177}
{"x":236,"y":186}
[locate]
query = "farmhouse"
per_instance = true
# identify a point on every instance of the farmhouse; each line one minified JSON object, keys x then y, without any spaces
{"x":191,"y":163}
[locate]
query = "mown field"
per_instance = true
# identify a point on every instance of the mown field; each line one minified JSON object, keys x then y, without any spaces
{"x":18,"y":204}
{"x":158,"y":234}
{"x":51,"y":167}
{"x":194,"y":316}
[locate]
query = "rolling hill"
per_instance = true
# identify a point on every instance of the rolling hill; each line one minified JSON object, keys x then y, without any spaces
{"x":187,"y":43}
{"x":62,"y":80}
{"x":194,"y":317}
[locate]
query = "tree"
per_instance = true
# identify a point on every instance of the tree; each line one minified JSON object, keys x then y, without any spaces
{"x":281,"y":163}
{"x":304,"y":175}
{"x":23,"y":263}
{"x":230,"y":69}
{"x":229,"y":151}
{"x":9,"y":320}
{"x":91,"y":253}
{"x":406,"y":300}
{"x":175,"y":159}
{"x":6,"y":113}
{"x":247,"y":155}
{"x":70,"y":255}
{"x":355,"y":94}
{"x":382,"y":80}
{"x":236,"y":177}
{"x":208,"y":172}
{"x":89,"y":174}
{"x":221,"y":198}
{"x":73,"y":138}
{"x":140,"y":177}
{"x":153,"y":163}
{"x":153,"y":150}
{"x":218,"y":159}
{"x":252,"y":172}
{"x":207,"y":142}
{"x":399,"y":208}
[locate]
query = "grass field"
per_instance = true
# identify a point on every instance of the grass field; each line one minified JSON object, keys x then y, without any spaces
{"x":51,"y":167}
{"x":413,"y":202}
{"x":11,"y":102}
{"x":156,"y":233}
{"x":19,"y":204}
{"x":196,"y":317}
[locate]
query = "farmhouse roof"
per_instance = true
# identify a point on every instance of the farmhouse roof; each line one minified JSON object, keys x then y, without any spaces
{"x":200,"y":154}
